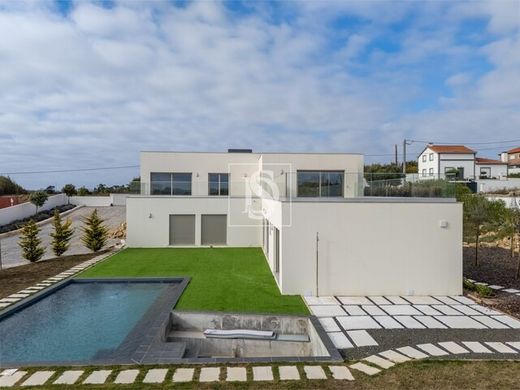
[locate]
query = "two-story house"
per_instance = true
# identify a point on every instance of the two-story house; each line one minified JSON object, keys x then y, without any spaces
{"x":512,"y":159}
{"x":307,"y":212}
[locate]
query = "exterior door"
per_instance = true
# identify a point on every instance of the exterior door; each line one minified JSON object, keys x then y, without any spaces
{"x":214,"y":229}
{"x":182,"y":229}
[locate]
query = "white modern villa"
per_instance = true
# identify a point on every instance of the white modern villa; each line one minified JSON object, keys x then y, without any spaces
{"x":307,"y":211}
{"x":457,"y":162}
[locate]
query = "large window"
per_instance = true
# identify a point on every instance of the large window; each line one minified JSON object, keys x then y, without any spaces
{"x":320,"y":183}
{"x":166,"y":183}
{"x":218,"y":184}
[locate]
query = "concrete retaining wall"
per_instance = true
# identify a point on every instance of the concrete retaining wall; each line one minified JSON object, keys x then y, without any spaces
{"x":24,"y":210}
{"x":100,"y":201}
{"x":496,"y":185}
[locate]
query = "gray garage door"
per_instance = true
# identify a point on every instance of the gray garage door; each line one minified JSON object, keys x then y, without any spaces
{"x":214,"y":229}
{"x":182,"y":229}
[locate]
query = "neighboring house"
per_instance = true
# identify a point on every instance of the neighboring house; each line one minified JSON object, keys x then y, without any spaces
{"x":487,"y":168}
{"x":307,"y":212}
{"x":512,"y":158}
{"x":446,"y":161}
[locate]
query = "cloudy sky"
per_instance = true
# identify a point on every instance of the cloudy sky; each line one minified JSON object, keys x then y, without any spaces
{"x":90,"y":84}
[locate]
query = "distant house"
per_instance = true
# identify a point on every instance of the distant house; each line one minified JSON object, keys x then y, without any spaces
{"x":512,"y":159}
{"x":457,"y":162}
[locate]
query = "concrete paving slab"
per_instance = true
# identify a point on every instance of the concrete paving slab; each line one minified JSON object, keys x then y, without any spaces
{"x":209,"y":374}
{"x":4,"y":304}
{"x":446,"y":300}
{"x":155,"y":375}
{"x":430,"y":322}
{"x":422,"y":300}
{"x":452,"y":347}
{"x":28,"y":292}
{"x":409,"y":322}
{"x":511,"y":322}
{"x":490,"y":322}
{"x":512,"y":290}
{"x":460,"y":322}
{"x":8,"y":371}
{"x":97,"y":377}
{"x":354,"y":310}
{"x":369,"y":370}
{"x":412,"y":352}
{"x":388,"y":322}
{"x":69,"y":377}
{"x":314,"y":372}
{"x":428,"y":310}
{"x":395,"y":310}
{"x":514,"y":344}
{"x":183,"y":375}
{"x":397,"y":300}
{"x":432,"y":349}
{"x":327,"y":311}
{"x":236,"y":374}
{"x":354,"y":300}
{"x":329,"y":325}
{"x":289,"y":373}
{"x":373,"y":310}
{"x":341,"y":373}
{"x":486,"y":310}
{"x":340,"y":340}
{"x":9,"y":300}
{"x":361,"y":338}
{"x":39,"y":378}
{"x":475,"y":346}
{"x":394,"y":356}
{"x":263,"y":373}
{"x":358,"y":322}
{"x":379,"y":361}
{"x":447,"y":310}
{"x":462,"y":299}
{"x":321,"y":300}
{"x":378,"y":300}
{"x":465,"y":310}
{"x":126,"y":376}
{"x":11,"y":380}
{"x":496,"y":287}
{"x":500,"y":347}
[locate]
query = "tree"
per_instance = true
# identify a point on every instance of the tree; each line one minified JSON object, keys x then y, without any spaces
{"x":30,"y":243}
{"x":51,"y":190}
{"x":69,"y":190}
{"x":9,"y":187}
{"x":480,"y":216}
{"x":62,"y":234}
{"x":38,"y":198}
{"x":95,"y":232}
{"x":83,"y":191}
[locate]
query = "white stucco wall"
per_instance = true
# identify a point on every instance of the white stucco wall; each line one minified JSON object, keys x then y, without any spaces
{"x":24,"y":210}
{"x":441,"y":161}
{"x":372,"y":248}
{"x":497,"y":171}
{"x":143,"y":231}
{"x":494,"y":185}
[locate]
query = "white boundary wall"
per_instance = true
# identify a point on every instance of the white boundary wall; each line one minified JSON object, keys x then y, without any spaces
{"x":494,"y":185}
{"x":24,"y":210}
{"x":100,"y":201}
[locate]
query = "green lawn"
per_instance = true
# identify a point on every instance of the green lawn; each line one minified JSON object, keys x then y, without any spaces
{"x":223,"y":279}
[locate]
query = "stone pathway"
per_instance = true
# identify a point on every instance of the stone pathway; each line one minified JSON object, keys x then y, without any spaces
{"x":347,"y":320}
{"x":370,"y":365}
{"x":14,"y":298}
{"x":496,"y":287}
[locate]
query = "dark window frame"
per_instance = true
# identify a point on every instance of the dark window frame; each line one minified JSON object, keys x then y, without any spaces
{"x":321,"y":174}
{"x":220,"y":190}
{"x":172,"y":188}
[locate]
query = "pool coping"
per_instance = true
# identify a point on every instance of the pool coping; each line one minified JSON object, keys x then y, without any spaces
{"x":158,"y":313}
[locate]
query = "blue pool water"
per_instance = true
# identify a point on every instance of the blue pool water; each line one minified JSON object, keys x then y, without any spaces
{"x":75,"y":322}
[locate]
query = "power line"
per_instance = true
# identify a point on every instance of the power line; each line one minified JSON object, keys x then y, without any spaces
{"x":69,"y":170}
{"x":466,"y":143}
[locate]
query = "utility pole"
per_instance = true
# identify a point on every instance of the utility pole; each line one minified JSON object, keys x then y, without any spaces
{"x":395,"y":152}
{"x":404,"y":156}
{"x":317,"y":261}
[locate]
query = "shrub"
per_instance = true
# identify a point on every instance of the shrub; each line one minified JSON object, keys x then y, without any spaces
{"x":69,"y":190}
{"x":30,"y":243}
{"x":38,"y":198}
{"x":46,"y":214}
{"x":83,"y":191}
{"x":95,"y":233}
{"x":481,"y":290}
{"x":62,"y":234}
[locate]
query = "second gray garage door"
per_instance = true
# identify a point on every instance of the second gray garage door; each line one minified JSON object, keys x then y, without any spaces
{"x":182,"y":229}
{"x":214,"y":229}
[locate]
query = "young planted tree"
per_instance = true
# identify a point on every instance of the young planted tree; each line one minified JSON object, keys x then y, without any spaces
{"x":69,"y":190}
{"x":38,"y":198}
{"x":30,"y":243}
{"x":95,"y":232}
{"x":62,"y":234}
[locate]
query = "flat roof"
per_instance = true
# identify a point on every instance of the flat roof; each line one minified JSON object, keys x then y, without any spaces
{"x":248,"y":153}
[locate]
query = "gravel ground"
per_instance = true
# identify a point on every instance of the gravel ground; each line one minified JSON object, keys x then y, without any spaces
{"x":113,"y":216}
{"x":496,"y":266}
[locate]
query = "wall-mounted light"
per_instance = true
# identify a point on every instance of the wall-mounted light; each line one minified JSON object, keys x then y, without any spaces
{"x":150,"y":216}
{"x":197,"y":174}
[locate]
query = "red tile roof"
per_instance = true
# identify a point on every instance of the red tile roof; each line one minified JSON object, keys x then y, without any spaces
{"x":489,"y":161}
{"x":515,"y":161}
{"x":515,"y":150}
{"x":458,"y":149}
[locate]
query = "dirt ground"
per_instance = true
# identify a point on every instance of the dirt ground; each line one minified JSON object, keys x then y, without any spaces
{"x":15,"y":279}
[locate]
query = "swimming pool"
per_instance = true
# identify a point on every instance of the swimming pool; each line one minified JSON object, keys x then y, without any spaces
{"x":85,"y":321}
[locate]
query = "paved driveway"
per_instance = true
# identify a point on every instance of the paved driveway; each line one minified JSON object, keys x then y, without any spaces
{"x":113,"y":216}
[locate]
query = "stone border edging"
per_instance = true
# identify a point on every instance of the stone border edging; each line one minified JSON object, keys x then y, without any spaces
{"x":40,"y":223}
